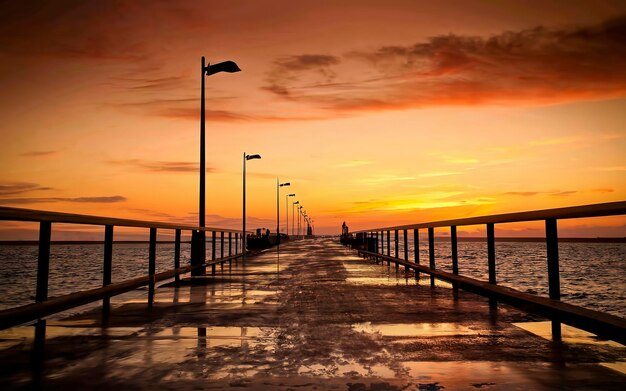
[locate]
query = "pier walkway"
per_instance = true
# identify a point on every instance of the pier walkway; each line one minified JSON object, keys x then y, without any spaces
{"x":315,"y":316}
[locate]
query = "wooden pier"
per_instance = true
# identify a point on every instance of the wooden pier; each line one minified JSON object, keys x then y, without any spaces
{"x":312,"y":314}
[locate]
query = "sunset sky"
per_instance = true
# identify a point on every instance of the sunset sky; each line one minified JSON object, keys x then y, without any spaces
{"x":378,"y":112}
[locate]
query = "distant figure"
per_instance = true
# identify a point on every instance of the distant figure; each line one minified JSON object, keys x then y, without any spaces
{"x":344,"y":229}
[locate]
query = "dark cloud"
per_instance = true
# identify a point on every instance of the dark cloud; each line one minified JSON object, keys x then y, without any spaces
{"x":160,"y":166}
{"x":39,"y":153}
{"x":20,"y":187}
{"x":39,"y":200}
{"x":305,"y":62}
{"x":534,"y":66}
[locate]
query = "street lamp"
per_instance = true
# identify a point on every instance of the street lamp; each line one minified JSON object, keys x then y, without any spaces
{"x":293,"y":216}
{"x":200,"y":239}
{"x":287,"y":210}
{"x":278,"y":186}
{"x":245,"y":159}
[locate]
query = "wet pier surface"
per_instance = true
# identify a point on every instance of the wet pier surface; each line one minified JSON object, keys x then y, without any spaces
{"x":314,"y":317}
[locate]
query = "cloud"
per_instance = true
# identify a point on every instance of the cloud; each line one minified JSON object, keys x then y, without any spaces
{"x":534,"y":66}
{"x":39,"y":153}
{"x":523,"y":193}
{"x":20,"y":187}
{"x":34,"y":200}
{"x":160,"y":166}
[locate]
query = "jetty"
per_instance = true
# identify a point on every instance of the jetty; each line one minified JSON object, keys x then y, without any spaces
{"x":310,"y":314}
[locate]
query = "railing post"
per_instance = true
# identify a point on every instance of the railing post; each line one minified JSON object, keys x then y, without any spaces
{"x":221,"y":244}
{"x":152,"y":264}
{"x":491,"y":260}
{"x":213,"y":241}
{"x":554,"y":283}
{"x":396,"y":245}
{"x":43,"y":270}
{"x":388,"y":243}
{"x":416,"y":249}
{"x":377,"y":247}
{"x":198,"y":251}
{"x":431,"y":253}
{"x":230,"y":244}
{"x":406,"y":249}
{"x":107,"y":266}
{"x":177,"y":234}
{"x":236,"y":242}
{"x":454,"y":253}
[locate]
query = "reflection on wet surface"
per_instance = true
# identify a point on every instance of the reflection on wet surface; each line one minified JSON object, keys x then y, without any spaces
{"x":322,"y":319}
{"x":569,"y":334}
{"x":414,"y":329}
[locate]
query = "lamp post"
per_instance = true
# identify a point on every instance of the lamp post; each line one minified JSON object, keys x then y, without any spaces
{"x":293,"y":216}
{"x":199,"y":256}
{"x":287,"y":210}
{"x":243,"y":238}
{"x":278,"y":186}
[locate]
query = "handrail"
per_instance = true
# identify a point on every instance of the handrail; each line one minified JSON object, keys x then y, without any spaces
{"x":572,"y":212}
{"x":20,"y":214}
{"x":374,"y":240}
{"x":45,"y":306}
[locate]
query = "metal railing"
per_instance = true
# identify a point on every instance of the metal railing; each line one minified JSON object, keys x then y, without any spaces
{"x":45,"y":306}
{"x":607,"y":325}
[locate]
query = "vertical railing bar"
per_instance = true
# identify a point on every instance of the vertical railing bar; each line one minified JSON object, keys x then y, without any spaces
{"x":43,"y":261}
{"x":388,"y":243}
{"x":213,"y":253}
{"x":107,"y":266}
{"x":454,"y":254}
{"x":221,"y":244}
{"x":177,"y":235}
{"x":396,"y":245}
{"x":416,"y":249}
{"x":431,"y":253}
{"x":554,"y":283}
{"x":41,"y":293}
{"x":491,"y":260}
{"x":230,"y":244}
{"x":152,"y":264}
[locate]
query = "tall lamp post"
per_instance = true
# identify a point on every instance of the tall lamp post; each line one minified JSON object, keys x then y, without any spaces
{"x":293,"y":216}
{"x":287,"y":210}
{"x":199,"y":256}
{"x":278,"y":186}
{"x":243,"y":238}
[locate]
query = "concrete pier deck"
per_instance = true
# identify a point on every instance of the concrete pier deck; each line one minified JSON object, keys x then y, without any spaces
{"x":314,"y":317}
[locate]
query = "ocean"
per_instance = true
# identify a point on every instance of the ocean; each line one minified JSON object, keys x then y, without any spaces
{"x":593,"y":275}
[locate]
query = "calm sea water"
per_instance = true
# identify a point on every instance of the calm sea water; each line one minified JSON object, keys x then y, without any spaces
{"x":593,"y":275}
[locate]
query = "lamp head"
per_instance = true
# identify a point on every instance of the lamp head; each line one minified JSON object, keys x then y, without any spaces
{"x":226,"y":66}
{"x":250,"y":157}
{"x":285,"y":184}
{"x":291,"y":195}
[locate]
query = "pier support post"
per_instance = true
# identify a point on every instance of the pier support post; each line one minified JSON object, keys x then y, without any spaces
{"x":230,"y":244}
{"x":491,"y":259}
{"x":554,"y":283}
{"x":152,"y":264}
{"x":198,"y":253}
{"x":431,"y":253}
{"x":107,"y":266}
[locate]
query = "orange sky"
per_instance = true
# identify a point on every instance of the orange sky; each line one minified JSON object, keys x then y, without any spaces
{"x":378,"y":113}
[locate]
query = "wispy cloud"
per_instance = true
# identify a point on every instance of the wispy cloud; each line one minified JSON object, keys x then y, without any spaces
{"x":39,"y":153}
{"x":20,"y":187}
{"x":533,"y":66}
{"x":39,"y":200}
{"x":438,"y":174}
{"x":160,"y":166}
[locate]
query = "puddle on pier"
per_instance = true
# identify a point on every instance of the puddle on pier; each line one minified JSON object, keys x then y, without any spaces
{"x":569,"y":334}
{"x":414,"y":329}
{"x":394,"y":281}
{"x":573,"y":335}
